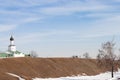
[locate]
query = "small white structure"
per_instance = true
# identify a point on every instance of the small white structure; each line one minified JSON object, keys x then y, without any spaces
{"x":19,"y":55}
{"x":12,"y":47}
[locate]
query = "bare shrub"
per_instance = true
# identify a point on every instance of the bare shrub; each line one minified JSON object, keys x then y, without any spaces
{"x":86,"y":55}
{"x":106,"y":56}
{"x":33,"y":54}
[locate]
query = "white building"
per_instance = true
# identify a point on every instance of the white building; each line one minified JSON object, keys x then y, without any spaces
{"x":12,"y":47}
{"x":12,"y":52}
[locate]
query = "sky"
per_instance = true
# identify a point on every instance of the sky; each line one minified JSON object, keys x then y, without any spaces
{"x":59,"y":28}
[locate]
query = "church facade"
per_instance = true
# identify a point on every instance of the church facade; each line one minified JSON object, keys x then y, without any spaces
{"x":11,"y":52}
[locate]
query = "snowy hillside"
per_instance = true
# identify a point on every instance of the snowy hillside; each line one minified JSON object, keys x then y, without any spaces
{"x":103,"y":76}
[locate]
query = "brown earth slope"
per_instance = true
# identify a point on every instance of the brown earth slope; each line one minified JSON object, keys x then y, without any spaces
{"x":47,"y":67}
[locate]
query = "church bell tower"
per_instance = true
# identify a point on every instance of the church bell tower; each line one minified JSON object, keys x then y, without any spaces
{"x":12,"y":47}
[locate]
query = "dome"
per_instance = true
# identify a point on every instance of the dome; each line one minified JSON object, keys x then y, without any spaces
{"x":11,"y":38}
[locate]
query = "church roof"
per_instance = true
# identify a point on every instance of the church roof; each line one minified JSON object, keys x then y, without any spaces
{"x":11,"y":45}
{"x":11,"y":38}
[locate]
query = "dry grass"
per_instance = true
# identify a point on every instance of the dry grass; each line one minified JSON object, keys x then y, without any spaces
{"x":47,"y":67}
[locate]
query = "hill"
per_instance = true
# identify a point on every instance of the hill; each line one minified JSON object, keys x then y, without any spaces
{"x":47,"y":67}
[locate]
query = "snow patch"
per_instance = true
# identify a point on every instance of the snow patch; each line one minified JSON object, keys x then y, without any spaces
{"x":14,"y":75}
{"x":102,"y":76}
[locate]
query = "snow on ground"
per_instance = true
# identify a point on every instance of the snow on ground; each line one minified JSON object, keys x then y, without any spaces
{"x":103,"y":76}
{"x":14,"y":75}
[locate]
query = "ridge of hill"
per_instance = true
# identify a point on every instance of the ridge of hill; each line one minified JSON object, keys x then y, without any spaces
{"x":47,"y":67}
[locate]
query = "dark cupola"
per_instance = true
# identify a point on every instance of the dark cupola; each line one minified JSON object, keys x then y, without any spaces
{"x":11,"y":38}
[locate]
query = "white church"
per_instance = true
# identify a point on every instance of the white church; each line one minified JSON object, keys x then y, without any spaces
{"x":12,"y":52}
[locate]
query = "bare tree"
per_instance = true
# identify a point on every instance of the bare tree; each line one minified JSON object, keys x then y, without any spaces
{"x":33,"y":54}
{"x":106,"y":56}
{"x":86,"y":55}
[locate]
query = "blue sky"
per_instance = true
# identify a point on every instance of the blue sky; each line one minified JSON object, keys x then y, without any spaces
{"x":59,"y":27}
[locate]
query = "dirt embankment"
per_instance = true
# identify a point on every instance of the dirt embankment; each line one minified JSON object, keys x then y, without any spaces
{"x":47,"y":67}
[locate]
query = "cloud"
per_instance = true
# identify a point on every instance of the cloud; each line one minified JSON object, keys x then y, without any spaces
{"x":43,"y":36}
{"x":20,"y":12}
{"x":16,"y":18}
{"x":98,"y":15}
{"x":25,"y":3}
{"x":73,"y":7}
{"x":109,"y":26}
{"x":33,"y":10}
{"x":116,"y":0}
{"x":26,"y":11}
{"x":29,"y":19}
{"x":5,"y":27}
